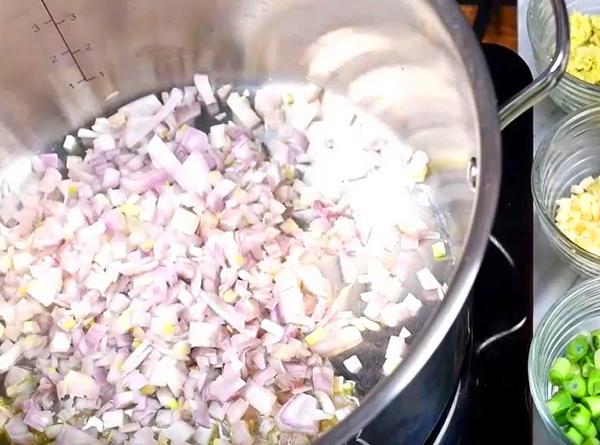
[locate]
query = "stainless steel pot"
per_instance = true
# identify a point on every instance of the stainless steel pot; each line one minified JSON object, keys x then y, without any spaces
{"x":413,"y":64}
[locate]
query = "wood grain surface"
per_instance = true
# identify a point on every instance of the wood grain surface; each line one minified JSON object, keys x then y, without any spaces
{"x":502,"y":28}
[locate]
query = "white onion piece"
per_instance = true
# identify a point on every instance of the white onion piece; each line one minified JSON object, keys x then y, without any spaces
{"x":203,"y":334}
{"x":10,"y":357}
{"x":242,"y":111}
{"x":179,"y":432}
{"x":113,"y":419}
{"x":428,"y":280}
{"x":299,"y":414}
{"x":18,"y":431}
{"x":396,"y":347}
{"x":185,"y":221}
{"x":94,"y":422}
{"x":205,"y":91}
{"x":412,"y":304}
{"x":338,"y":341}
{"x":144,"y":106}
{"x":223,"y":310}
{"x":260,"y":398}
{"x":72,"y":436}
{"x":353,"y":364}
{"x":77,"y":384}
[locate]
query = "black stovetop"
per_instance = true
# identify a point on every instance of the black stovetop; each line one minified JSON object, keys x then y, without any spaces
{"x":503,"y":291}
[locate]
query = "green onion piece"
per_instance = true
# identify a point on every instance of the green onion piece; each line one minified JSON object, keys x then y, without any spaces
{"x":587,"y":364}
{"x":592,"y":403}
{"x":597,"y":424}
{"x":579,"y":417}
{"x":561,"y":369}
{"x":577,"y":348}
{"x":597,"y":359}
{"x":588,"y":337}
{"x":596,"y":339}
{"x":574,"y":436}
{"x":575,"y":369}
{"x":591,"y":431}
{"x":591,"y":441}
{"x":593,"y":383}
{"x":589,"y":358}
{"x":575,"y":385}
{"x":560,"y":403}
{"x":561,"y":420}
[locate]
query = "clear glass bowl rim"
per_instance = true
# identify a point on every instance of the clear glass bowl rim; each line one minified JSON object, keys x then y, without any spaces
{"x":567,"y":77}
{"x":561,"y":127}
{"x":577,"y":292}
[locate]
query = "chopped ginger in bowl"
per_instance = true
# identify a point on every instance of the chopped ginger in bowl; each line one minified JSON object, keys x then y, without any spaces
{"x":578,"y":216}
{"x":584,"y":57}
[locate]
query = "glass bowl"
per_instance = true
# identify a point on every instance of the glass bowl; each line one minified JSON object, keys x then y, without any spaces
{"x":571,"y":93}
{"x":578,"y":311}
{"x":569,"y":154}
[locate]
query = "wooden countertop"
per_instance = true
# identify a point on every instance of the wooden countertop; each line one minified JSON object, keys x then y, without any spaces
{"x":502,"y":28}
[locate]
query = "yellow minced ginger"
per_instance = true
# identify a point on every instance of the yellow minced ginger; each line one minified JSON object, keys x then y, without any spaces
{"x":584,"y":57}
{"x":578,"y":216}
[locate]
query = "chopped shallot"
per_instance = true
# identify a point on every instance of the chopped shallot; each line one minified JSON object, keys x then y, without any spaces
{"x":172,"y":279}
{"x":353,"y":364}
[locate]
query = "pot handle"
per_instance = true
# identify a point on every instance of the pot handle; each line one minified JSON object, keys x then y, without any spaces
{"x":547,"y":80}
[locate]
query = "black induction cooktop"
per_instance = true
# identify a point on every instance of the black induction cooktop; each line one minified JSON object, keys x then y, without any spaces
{"x":503,"y":293}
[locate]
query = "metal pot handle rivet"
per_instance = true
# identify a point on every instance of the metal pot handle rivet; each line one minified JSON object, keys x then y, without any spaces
{"x":472,"y":173}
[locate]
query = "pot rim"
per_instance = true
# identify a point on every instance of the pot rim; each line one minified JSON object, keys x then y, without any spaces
{"x":489,"y":167}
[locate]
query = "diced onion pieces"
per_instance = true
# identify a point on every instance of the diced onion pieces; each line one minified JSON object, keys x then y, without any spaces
{"x":113,"y":419}
{"x":242,"y":111}
{"x":353,"y":364}
{"x":185,"y":221}
{"x":178,"y":278}
{"x":260,"y":398}
{"x":427,"y":280}
{"x":390,"y":364}
{"x":203,"y":334}
{"x":298,"y":414}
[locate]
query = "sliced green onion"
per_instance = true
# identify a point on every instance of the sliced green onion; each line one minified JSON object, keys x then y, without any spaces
{"x":591,"y":441}
{"x":590,"y":431}
{"x":574,"y":436}
{"x":575,"y":385}
{"x":596,"y":339}
{"x":561,"y":369}
{"x":586,"y":368}
{"x":593,"y":383}
{"x":577,"y":348}
{"x":575,"y":369}
{"x":597,"y":424}
{"x":592,"y":403}
{"x":579,"y":417}
{"x":587,"y":363}
{"x":588,"y":337}
{"x":561,"y":420}
{"x":560,"y":403}
{"x":597,"y":359}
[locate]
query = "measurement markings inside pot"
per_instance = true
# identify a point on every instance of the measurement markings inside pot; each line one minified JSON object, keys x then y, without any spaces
{"x":68,"y":49}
